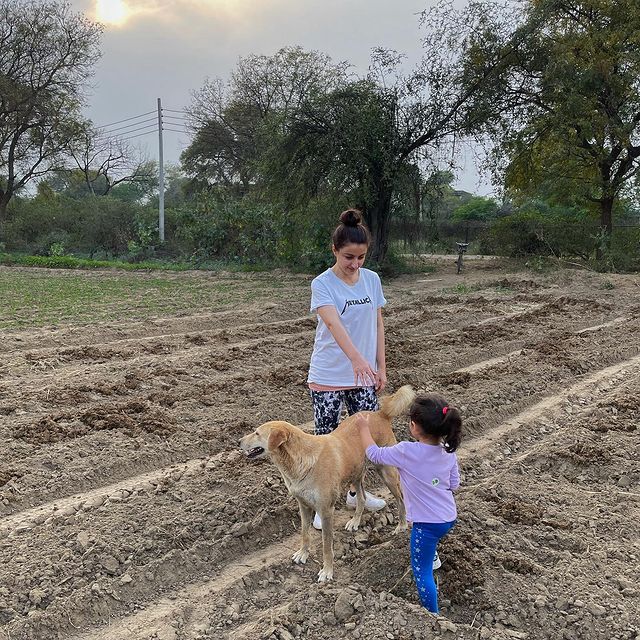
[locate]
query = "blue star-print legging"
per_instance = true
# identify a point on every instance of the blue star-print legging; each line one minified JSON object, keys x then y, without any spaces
{"x":424,"y":540}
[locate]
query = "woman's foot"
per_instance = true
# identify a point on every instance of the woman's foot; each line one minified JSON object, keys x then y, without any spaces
{"x":371,"y":502}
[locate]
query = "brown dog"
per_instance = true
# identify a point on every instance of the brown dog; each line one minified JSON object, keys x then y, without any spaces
{"x":316,"y":468}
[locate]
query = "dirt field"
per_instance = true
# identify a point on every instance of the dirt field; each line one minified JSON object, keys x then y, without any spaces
{"x":127,"y":511}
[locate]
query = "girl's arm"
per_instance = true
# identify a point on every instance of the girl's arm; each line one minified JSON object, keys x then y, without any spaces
{"x":381,"y":360}
{"x":454,"y":476}
{"x":362,"y":422}
{"x":377,"y":455}
{"x":364,"y":375}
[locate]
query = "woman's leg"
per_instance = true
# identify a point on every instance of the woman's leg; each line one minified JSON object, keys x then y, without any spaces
{"x":424,"y":540}
{"x":361,"y":399}
{"x":326,"y":410}
{"x":327,"y":406}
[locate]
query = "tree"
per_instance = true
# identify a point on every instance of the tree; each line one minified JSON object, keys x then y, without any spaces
{"x":233,"y":121}
{"x":47,"y":53}
{"x":569,"y":91}
{"x":106,"y":162}
{"x":435,"y":194}
{"x":365,"y":137}
{"x":477,"y":208}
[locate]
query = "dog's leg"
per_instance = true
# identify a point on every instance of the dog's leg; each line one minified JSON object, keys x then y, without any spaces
{"x":306,"y":514}
{"x":326,"y":573}
{"x":391,"y":478}
{"x":354,"y":523}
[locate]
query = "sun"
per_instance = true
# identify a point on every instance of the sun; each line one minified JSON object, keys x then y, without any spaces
{"x":111,"y":11}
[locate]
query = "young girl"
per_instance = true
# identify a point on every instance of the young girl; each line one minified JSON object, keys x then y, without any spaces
{"x":348,"y":361}
{"x":429,"y":474}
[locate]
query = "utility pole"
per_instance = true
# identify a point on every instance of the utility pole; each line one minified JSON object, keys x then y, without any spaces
{"x":160,"y":174}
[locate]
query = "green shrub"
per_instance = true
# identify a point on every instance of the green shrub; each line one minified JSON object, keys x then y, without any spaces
{"x":87,"y":225}
{"x":540,"y":229}
{"x":57,"y":249}
{"x":623,"y":252}
{"x":253,"y":233}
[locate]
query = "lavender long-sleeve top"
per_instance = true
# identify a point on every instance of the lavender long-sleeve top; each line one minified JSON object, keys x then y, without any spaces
{"x":428,"y":475}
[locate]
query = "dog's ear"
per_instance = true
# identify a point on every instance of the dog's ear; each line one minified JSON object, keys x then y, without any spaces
{"x":277,"y":437}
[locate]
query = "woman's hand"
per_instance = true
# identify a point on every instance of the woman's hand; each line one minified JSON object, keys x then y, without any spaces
{"x":363,"y":373}
{"x":381,"y":379}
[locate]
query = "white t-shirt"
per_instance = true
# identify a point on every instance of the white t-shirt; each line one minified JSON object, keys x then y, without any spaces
{"x":357,"y":307}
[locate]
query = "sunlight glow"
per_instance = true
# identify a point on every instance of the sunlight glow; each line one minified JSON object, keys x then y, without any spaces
{"x":112,"y":11}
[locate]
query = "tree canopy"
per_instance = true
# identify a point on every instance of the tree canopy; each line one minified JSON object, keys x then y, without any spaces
{"x":233,"y":121}
{"x":47,"y":54}
{"x":565,"y":96}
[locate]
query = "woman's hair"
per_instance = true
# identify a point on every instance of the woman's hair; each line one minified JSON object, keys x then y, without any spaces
{"x":351,"y":230}
{"x":435,"y":417}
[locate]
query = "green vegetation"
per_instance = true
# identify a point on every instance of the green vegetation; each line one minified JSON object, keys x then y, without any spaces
{"x":71,"y":262}
{"x":35,"y":298}
{"x":293,"y":138}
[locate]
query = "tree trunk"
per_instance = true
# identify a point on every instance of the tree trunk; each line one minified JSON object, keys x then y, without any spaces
{"x":606,"y":215}
{"x":606,"y":224}
{"x":4,"y":202}
{"x":379,"y":214}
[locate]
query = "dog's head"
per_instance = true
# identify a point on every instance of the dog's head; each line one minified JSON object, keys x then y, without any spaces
{"x":266,"y":439}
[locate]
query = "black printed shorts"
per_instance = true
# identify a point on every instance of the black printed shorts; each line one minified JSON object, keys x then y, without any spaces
{"x":327,"y":406}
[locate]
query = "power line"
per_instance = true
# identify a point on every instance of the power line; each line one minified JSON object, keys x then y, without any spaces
{"x":126,"y":120}
{"x":174,"y":130}
{"x":127,"y":126}
{"x":138,"y":135}
{"x":152,"y":127}
{"x":174,"y":110}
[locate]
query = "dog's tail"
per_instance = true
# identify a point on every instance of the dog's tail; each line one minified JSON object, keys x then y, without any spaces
{"x":398,"y":403}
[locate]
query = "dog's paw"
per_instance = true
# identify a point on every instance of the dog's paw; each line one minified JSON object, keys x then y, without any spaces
{"x":353,"y":524}
{"x":325,"y":575}
{"x":402,"y":526}
{"x":300,"y":556}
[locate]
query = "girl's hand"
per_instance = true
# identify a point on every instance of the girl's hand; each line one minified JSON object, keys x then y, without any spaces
{"x":363,"y":374}
{"x":362,"y":423}
{"x":381,"y":380}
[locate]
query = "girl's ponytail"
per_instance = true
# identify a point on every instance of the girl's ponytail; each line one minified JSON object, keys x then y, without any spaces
{"x":451,"y":429}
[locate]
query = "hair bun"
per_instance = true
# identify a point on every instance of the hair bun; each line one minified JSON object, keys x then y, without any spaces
{"x":351,"y":218}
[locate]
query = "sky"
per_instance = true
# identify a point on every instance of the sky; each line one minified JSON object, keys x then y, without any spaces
{"x":168,"y":48}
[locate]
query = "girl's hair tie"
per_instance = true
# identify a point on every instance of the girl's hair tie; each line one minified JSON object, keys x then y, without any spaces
{"x":444,"y":410}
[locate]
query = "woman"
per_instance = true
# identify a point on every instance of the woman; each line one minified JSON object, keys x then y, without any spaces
{"x":348,"y":361}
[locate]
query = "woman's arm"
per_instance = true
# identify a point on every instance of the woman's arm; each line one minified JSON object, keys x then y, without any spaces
{"x":381,"y":359}
{"x":364,"y":375}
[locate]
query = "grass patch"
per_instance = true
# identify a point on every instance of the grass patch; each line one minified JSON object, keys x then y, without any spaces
{"x":462,"y":288}
{"x":503,"y":290}
{"x":40,"y":297}
{"x":71,"y":262}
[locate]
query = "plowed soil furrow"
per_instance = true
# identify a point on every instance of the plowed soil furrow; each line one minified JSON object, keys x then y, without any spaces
{"x":512,"y":399}
{"x":169,"y":405}
{"x":488,"y":448}
{"x":129,"y":514}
